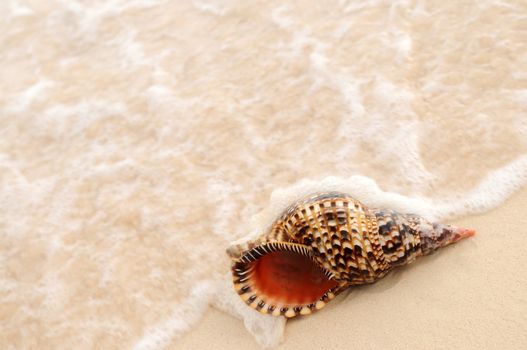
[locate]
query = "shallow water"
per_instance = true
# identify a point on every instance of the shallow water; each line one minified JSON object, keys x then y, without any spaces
{"x":139,"y":138}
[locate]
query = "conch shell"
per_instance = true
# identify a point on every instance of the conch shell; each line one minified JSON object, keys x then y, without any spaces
{"x":325,"y":243}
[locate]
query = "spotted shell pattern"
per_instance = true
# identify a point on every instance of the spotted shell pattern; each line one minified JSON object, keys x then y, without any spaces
{"x":349,"y":242}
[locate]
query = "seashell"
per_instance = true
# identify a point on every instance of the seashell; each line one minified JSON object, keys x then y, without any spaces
{"x":324,"y":244}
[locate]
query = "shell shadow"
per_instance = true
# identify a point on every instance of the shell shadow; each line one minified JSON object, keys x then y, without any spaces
{"x":393,"y":278}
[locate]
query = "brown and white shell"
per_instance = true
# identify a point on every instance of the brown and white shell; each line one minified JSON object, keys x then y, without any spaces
{"x":325,"y":243}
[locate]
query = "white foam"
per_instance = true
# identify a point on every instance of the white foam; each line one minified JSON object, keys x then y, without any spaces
{"x":491,"y":192}
{"x":131,"y":51}
{"x":88,"y":16}
{"x":209,"y":7}
{"x":19,"y":10}
{"x":184,"y":315}
{"x":35,"y":92}
{"x":268,"y":331}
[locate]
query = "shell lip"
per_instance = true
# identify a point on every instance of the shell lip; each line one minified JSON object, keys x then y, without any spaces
{"x":242,"y":269}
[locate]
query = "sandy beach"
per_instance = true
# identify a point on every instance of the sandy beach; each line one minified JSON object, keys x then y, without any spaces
{"x":470,"y":296}
{"x":139,"y":138}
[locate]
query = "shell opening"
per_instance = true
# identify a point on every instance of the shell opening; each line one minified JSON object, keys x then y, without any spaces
{"x":282,"y":279}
